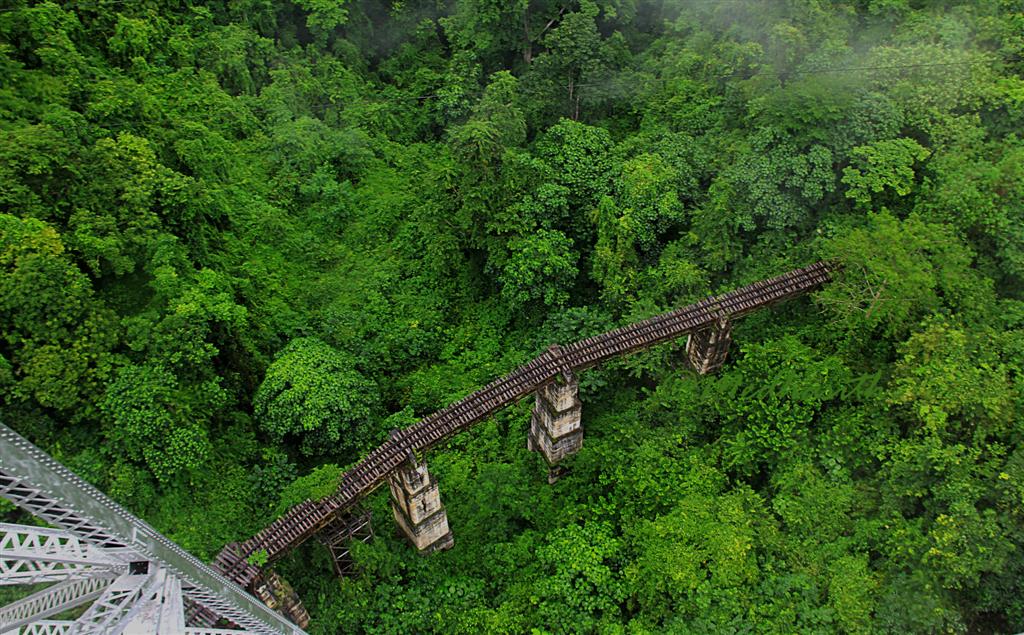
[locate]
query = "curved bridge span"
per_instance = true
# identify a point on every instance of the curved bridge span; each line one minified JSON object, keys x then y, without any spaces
{"x":712,"y":314}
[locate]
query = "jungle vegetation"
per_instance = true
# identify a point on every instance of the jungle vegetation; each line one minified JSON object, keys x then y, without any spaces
{"x":240,"y":241}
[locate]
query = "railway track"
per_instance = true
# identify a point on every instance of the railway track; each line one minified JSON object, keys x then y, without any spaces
{"x":304,"y":520}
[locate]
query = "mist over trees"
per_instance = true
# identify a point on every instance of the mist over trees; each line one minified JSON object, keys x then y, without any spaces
{"x":241,"y":241}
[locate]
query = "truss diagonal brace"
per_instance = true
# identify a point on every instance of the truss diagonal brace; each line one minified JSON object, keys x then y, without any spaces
{"x":45,"y":627}
{"x":29,"y":555}
{"x":51,"y":601}
{"x":161,"y":611}
{"x":14,"y":572}
{"x":119,"y":602}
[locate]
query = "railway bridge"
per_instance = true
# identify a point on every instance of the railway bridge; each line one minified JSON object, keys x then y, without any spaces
{"x":556,"y":431}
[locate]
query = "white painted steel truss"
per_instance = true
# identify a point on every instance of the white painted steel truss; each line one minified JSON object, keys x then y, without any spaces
{"x":50,"y":601}
{"x":97,"y":556}
{"x":30,"y":555}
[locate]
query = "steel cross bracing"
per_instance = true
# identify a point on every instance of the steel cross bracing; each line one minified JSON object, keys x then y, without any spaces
{"x":48,"y":627}
{"x":309,"y":517}
{"x":51,"y":601}
{"x":30,"y":555}
{"x":136,"y":580}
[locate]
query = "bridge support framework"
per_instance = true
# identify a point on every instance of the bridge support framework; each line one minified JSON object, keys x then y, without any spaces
{"x":707,"y":348}
{"x":556,"y":428}
{"x":347,"y":527}
{"x":416,"y":504}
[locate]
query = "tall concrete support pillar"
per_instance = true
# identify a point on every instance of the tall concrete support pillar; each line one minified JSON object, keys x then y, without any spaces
{"x":352,"y":525}
{"x":556,"y":430}
{"x":417,"y":507}
{"x":708,"y":348}
{"x":273,"y":591}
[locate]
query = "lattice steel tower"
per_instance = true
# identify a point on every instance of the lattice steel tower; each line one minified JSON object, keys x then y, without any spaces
{"x":129,"y":577}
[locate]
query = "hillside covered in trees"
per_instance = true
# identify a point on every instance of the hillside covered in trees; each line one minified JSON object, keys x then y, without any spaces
{"x":240,"y":241}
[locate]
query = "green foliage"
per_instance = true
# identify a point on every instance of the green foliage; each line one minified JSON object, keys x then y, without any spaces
{"x":321,"y":482}
{"x":324,"y":16}
{"x":977,"y":189}
{"x":779,"y":181}
{"x":897,"y":271}
{"x":541,"y":266}
{"x":57,"y":339}
{"x":155,"y":421}
{"x":698,"y":559}
{"x":579,"y":156}
{"x":312,"y":391}
{"x":258,"y":558}
{"x":947,"y":378}
{"x":497,"y":123}
{"x":793,"y":384}
{"x":648,"y":198}
{"x":582,"y":586}
{"x":881,"y":166}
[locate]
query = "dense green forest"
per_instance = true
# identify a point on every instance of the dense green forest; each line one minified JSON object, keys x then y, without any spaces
{"x":241,"y":241}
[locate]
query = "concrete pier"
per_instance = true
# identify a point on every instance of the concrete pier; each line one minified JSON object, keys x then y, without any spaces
{"x":556,"y":429}
{"x":273,"y":591}
{"x":416,"y":504}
